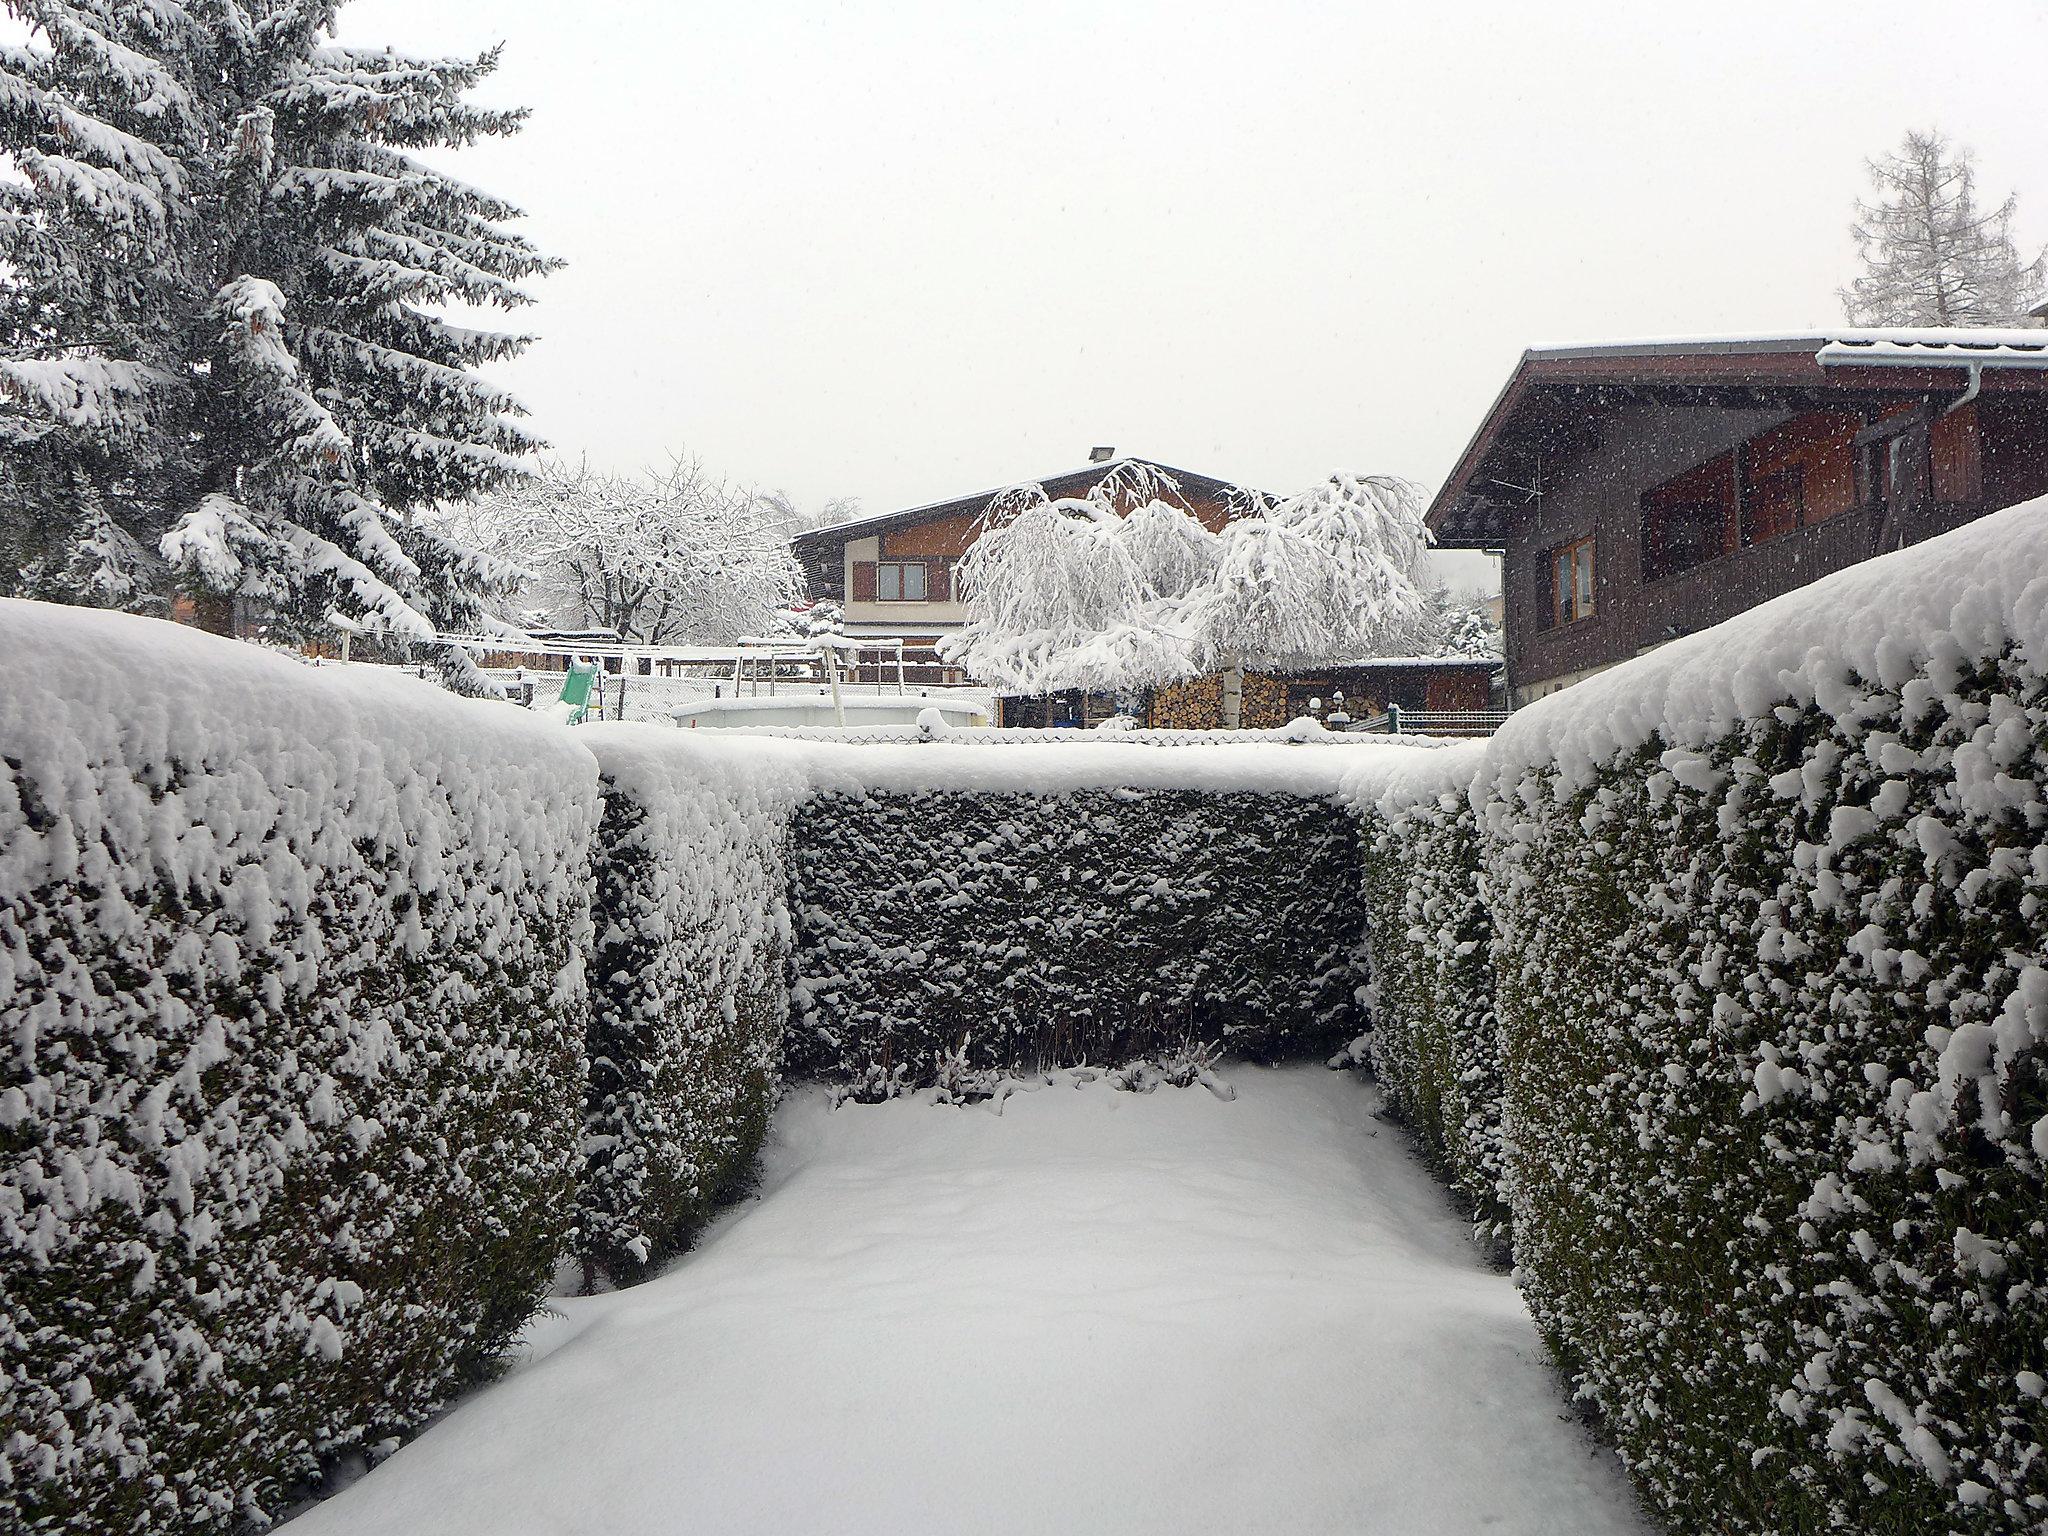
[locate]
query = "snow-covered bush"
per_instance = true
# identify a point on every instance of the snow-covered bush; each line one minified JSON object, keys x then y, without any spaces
{"x":1772,"y":911}
{"x":290,"y":1005}
{"x":688,"y":992}
{"x":1435,"y":1043}
{"x":1041,"y":906}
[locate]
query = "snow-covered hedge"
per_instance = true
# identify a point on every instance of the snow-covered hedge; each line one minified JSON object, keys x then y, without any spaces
{"x":1435,"y":1042}
{"x":1772,"y":910}
{"x":688,"y":987}
{"x":290,"y":1005}
{"x":1047,"y":904}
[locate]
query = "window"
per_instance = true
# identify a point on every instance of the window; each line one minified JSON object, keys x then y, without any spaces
{"x":900,"y":581}
{"x":1686,"y":520}
{"x":1571,"y":582}
{"x":1774,"y":504}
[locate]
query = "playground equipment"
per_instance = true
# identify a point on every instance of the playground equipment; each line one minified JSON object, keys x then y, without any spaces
{"x":573,"y":707}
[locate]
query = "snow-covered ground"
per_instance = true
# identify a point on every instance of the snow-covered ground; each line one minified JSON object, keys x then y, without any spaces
{"x":1094,"y":1312}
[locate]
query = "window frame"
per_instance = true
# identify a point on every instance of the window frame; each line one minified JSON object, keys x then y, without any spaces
{"x":1583,"y":584}
{"x":900,"y":570}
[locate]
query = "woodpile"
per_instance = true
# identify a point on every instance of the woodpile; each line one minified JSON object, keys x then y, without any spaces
{"x":1197,"y":705}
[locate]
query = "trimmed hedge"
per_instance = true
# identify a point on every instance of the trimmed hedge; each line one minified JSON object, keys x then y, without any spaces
{"x":1037,"y":929}
{"x":1774,"y":1015}
{"x":1435,"y":1041}
{"x":689,"y":994}
{"x":290,"y":1008}
{"x":1770,"y":965}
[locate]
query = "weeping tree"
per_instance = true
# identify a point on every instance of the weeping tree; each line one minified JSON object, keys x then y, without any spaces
{"x":1066,"y":594}
{"x":227,"y":366}
{"x":1333,"y":573}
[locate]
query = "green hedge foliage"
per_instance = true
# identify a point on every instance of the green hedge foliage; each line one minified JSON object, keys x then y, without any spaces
{"x":290,"y":1061}
{"x":1434,"y":1046}
{"x":1773,"y":1013}
{"x":1765,"y":919}
{"x":1095,"y":924}
{"x":689,"y":994}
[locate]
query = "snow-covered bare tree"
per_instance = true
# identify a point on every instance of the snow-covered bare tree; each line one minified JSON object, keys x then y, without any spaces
{"x":663,"y":559}
{"x":795,"y":518}
{"x":225,"y":355}
{"x":1931,"y":255}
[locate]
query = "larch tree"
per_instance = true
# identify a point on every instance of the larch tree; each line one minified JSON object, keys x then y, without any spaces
{"x":671,"y":558}
{"x":226,"y":365}
{"x":1931,"y":255}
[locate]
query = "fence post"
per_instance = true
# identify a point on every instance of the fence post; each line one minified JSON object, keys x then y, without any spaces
{"x":1393,"y":719}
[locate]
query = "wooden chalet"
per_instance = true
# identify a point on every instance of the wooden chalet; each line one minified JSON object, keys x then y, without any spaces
{"x":1639,"y":492}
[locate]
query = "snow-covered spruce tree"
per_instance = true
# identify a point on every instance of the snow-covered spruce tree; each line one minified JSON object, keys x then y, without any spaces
{"x":664,"y":559}
{"x":1457,"y":624}
{"x":1931,"y":255}
{"x":98,"y":230}
{"x":224,"y":350}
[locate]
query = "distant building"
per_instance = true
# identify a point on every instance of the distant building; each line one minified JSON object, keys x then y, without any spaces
{"x":1642,"y":491}
{"x":893,"y":572}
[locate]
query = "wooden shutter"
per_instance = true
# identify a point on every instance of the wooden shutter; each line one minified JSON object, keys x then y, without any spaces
{"x":938,"y":581}
{"x":863,"y":581}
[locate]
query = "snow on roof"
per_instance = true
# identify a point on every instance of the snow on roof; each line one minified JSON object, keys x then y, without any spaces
{"x":1099,"y":470}
{"x":1938,"y":346}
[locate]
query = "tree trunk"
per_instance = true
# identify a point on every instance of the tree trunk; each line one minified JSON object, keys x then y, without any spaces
{"x":1233,"y":693}
{"x":213,"y":613}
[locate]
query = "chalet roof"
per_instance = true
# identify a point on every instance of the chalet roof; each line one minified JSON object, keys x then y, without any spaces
{"x":1066,"y":483}
{"x":1550,"y":404}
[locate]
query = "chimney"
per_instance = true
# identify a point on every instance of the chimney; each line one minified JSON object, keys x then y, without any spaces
{"x":1101,"y":455}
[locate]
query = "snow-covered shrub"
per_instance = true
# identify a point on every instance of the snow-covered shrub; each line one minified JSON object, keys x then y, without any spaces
{"x":290,"y":1006}
{"x":1434,"y":1044}
{"x":688,"y":992}
{"x":1772,"y":910}
{"x":1040,"y":926}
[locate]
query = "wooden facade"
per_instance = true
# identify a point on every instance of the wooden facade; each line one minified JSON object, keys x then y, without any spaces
{"x":1638,"y":494}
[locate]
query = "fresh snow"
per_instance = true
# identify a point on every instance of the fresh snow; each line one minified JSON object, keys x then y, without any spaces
{"x":1094,"y":1311}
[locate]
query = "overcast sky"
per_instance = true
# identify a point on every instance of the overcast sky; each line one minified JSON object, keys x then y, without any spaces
{"x":905,"y":251}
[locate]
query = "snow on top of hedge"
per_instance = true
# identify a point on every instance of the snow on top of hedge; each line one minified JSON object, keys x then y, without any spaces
{"x":798,"y":766}
{"x":1046,"y":769}
{"x":1941,"y":607}
{"x":1390,"y":782}
{"x":161,"y":689}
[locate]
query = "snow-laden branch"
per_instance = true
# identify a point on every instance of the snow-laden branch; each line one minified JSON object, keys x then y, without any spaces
{"x":675,"y":557}
{"x":1068,"y":594}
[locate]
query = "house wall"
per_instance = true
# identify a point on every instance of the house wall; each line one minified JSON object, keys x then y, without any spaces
{"x":926,"y":618}
{"x":1601,"y":494}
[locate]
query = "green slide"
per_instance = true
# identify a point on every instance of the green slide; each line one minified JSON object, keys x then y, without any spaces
{"x":573,"y":707}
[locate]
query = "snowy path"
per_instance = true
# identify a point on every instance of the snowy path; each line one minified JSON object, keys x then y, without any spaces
{"x":1100,"y":1312}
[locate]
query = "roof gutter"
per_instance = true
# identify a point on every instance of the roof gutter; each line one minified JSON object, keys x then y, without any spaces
{"x":1969,"y":394}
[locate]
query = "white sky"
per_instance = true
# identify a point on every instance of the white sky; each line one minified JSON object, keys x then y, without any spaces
{"x":911,"y":250}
